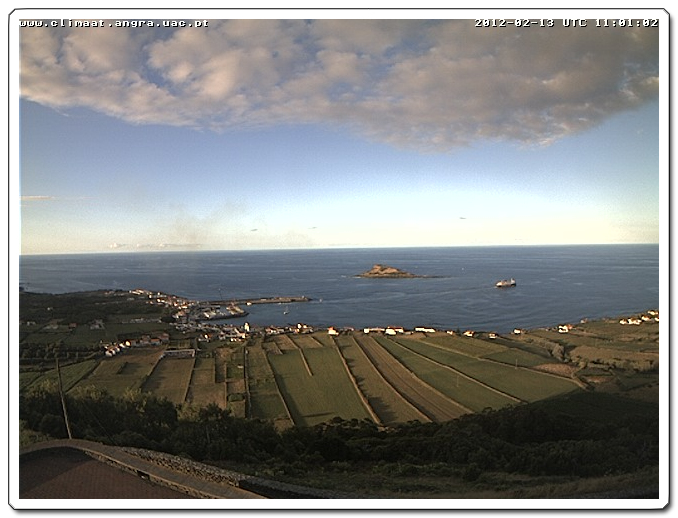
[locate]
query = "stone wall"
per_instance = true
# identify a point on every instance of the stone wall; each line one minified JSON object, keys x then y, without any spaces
{"x":261,"y":486}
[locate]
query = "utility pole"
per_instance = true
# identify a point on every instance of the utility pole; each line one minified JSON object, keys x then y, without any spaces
{"x":63,"y":400}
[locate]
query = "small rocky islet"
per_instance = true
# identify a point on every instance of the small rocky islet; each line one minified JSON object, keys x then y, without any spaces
{"x":382,"y":271}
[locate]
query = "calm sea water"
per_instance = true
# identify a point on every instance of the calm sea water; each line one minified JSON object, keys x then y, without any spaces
{"x":555,"y":284}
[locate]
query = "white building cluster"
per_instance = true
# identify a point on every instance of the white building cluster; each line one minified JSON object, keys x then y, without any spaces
{"x":111,"y":349}
{"x":650,"y":316}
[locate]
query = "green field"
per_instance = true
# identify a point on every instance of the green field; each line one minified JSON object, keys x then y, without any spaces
{"x":204,"y":389}
{"x":309,"y":378}
{"x":235,"y":364}
{"x":41,"y":337}
{"x":266,"y":400}
{"x":524,"y":384}
{"x":645,"y":336}
{"x":70,"y":375}
{"x":389,"y":406}
{"x":307,"y":341}
{"x":463,"y":344}
{"x":317,"y":388}
{"x":170,"y":379}
{"x":516,"y":357}
{"x":126,"y":371}
{"x":28,"y":378}
{"x":324,"y":338}
{"x":454,"y":383}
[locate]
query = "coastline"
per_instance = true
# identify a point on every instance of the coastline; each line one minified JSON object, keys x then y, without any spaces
{"x":555,"y":284}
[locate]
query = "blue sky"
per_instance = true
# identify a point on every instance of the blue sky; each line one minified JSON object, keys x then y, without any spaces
{"x":256,"y":134}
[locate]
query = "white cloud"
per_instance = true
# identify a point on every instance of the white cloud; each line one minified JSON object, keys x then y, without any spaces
{"x":412,"y":83}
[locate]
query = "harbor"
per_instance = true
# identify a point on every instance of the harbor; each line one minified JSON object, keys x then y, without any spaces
{"x":225,"y":309}
{"x":261,"y":300}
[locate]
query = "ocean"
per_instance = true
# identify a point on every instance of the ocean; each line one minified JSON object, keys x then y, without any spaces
{"x":555,"y":284}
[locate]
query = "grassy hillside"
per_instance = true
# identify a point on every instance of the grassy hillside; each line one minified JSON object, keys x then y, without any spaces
{"x":540,"y":414}
{"x":309,"y":378}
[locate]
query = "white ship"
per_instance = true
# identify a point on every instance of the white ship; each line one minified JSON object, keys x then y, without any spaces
{"x":506,"y":283}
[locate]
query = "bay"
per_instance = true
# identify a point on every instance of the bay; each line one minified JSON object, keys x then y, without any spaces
{"x":555,"y":284}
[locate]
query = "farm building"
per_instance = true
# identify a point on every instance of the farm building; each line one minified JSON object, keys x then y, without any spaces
{"x":425,"y":329}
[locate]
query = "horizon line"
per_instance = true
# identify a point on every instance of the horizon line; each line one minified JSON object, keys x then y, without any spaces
{"x":130,"y":251}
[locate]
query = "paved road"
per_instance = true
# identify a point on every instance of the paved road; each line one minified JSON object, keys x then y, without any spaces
{"x":84,"y":469}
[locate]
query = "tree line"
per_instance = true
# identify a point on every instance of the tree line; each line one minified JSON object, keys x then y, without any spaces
{"x":537,"y":439}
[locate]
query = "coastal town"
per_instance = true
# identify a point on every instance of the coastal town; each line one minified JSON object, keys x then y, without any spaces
{"x":208,"y":320}
{"x":182,"y":326}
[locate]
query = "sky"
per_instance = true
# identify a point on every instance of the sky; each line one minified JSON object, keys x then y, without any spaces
{"x":336,"y":132}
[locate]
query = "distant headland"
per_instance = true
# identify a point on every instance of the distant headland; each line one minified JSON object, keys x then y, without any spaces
{"x":382,"y":271}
